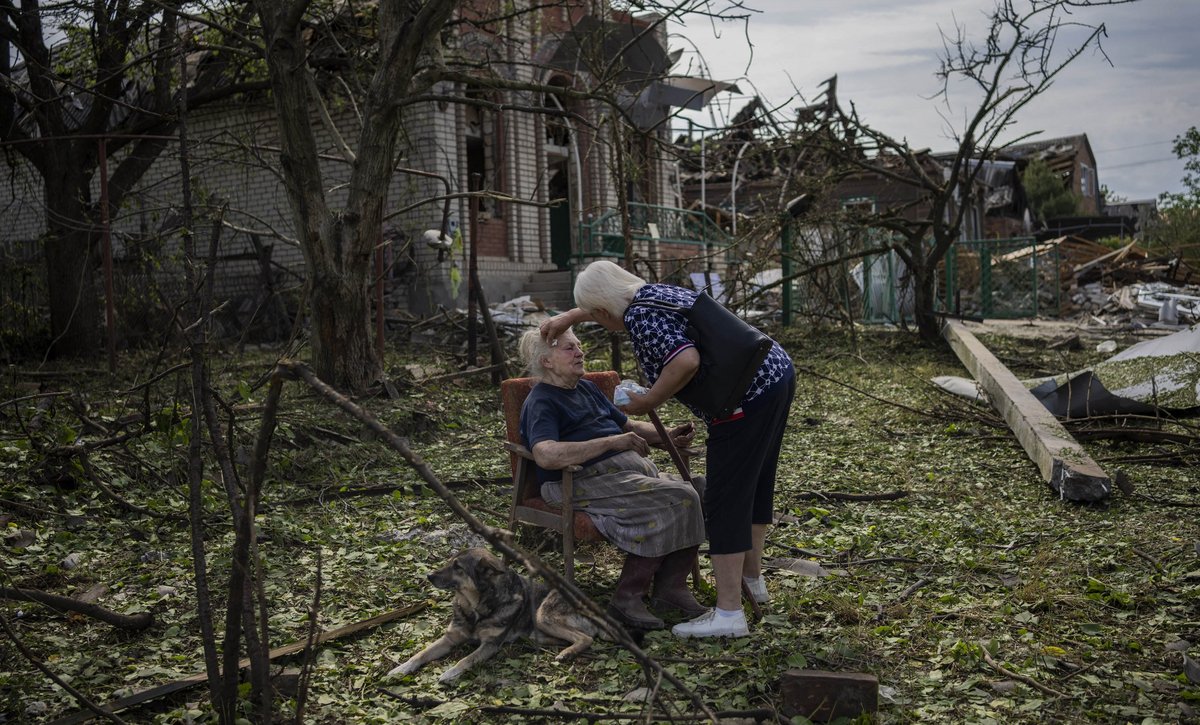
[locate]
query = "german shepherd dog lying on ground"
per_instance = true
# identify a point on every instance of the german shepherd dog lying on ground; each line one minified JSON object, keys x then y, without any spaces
{"x":494,"y":605}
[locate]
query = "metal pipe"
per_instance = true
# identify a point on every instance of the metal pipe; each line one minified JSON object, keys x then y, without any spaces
{"x":473,"y":275}
{"x":734,"y":184}
{"x":785,"y":259}
{"x":106,"y":239}
{"x":578,"y":163}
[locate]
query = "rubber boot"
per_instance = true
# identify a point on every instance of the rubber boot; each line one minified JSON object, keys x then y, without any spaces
{"x":628,"y":605}
{"x":670,"y":584}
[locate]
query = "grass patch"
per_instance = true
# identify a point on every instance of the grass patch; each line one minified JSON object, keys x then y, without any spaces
{"x":979,"y":555}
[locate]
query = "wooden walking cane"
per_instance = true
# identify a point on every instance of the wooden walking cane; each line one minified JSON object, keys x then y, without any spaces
{"x":681,"y":464}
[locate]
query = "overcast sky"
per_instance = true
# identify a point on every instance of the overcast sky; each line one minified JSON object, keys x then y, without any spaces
{"x":885,"y":54}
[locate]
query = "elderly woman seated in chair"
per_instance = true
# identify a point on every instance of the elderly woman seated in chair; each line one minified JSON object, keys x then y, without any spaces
{"x":657,"y":521}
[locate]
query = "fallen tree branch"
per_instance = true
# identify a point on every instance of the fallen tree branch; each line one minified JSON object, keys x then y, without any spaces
{"x":133,"y":622}
{"x":1169,"y":501}
{"x":880,"y":560}
{"x":307,"y":659}
{"x":1146,"y":557}
{"x":31,"y":509}
{"x":386,"y":489}
{"x":1182,"y":458}
{"x":876,"y":398}
{"x":33,"y":660}
{"x":34,"y":396}
{"x":840,"y":496}
{"x":169,"y":688}
{"x":460,"y":374}
{"x":1022,"y":678}
{"x":904,"y":595}
{"x":1137,"y":435}
{"x":112,"y":495}
{"x":502,"y":539}
{"x":159,"y":376}
{"x":79,"y":407}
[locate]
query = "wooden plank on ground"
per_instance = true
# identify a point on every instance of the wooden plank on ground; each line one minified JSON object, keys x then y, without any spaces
{"x":1072,"y":474}
{"x":152,"y":693}
{"x":821,"y":696}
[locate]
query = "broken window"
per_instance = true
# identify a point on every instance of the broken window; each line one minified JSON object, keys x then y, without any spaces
{"x":558,"y":132}
{"x":483,"y":139}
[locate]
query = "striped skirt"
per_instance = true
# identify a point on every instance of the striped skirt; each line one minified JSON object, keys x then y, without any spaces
{"x":636,"y":507}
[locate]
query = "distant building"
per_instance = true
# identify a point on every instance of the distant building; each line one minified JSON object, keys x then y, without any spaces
{"x":1072,"y":159}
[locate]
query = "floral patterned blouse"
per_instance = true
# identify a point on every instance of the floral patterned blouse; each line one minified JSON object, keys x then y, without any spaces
{"x":658,"y":335}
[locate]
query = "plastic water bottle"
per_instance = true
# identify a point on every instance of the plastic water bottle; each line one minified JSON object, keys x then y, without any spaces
{"x":624,"y":388}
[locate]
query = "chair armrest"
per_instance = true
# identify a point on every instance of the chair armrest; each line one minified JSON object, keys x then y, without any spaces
{"x":518,"y":449}
{"x":523,"y":452}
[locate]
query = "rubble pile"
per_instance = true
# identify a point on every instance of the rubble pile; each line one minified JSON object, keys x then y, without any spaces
{"x":1127,"y":286}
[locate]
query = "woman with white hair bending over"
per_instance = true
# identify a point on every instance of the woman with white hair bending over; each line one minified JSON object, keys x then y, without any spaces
{"x":567,"y":420}
{"x":742,"y":450}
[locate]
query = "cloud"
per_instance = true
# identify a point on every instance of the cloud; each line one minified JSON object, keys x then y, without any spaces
{"x":886,"y":54}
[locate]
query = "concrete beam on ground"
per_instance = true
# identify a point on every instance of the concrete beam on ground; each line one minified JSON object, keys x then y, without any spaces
{"x":1072,"y":474}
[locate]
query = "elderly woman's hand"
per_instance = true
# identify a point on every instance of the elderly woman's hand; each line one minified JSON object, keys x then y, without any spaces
{"x":632,"y":442}
{"x":682,"y":435}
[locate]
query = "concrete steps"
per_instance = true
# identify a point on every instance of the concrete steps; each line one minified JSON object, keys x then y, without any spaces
{"x":551,"y":288}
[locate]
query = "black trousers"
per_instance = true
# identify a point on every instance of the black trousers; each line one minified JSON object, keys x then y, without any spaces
{"x":742,"y":458}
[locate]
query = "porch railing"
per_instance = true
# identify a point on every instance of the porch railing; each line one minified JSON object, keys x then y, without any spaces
{"x":650,"y":224}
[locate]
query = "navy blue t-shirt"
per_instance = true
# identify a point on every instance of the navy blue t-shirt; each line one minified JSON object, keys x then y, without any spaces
{"x":551,"y":413}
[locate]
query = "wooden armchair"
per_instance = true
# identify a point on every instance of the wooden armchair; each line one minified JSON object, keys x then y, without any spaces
{"x":528,"y":506}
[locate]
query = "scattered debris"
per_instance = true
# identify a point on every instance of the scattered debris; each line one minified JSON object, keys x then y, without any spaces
{"x":1159,"y":376}
{"x":1154,"y":377}
{"x":1169,"y":303}
{"x":1126,"y":286}
{"x":518,"y":313}
{"x":153,"y":693}
{"x":803,"y":567}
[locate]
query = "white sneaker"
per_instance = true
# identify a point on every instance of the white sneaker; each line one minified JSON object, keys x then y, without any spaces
{"x":710,"y":624}
{"x":758,"y":589}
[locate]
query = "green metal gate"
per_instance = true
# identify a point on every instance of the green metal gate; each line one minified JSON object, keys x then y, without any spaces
{"x":1002,"y":278}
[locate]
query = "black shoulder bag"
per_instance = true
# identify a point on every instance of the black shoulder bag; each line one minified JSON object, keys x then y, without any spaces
{"x":731,"y":351}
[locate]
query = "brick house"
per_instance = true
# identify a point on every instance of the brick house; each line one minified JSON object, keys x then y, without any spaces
{"x":523,"y":159}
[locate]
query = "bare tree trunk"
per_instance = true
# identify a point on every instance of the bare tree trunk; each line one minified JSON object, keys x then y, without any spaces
{"x":925,"y":302}
{"x":70,"y":272}
{"x":339,"y":245}
{"x":342,"y":347}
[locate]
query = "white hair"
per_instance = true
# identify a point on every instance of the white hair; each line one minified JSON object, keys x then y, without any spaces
{"x":606,"y":286}
{"x":532,"y":348}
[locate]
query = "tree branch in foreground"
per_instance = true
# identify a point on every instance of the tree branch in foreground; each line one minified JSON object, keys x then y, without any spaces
{"x":79,"y":696}
{"x":501,"y":539}
{"x":58,"y":602}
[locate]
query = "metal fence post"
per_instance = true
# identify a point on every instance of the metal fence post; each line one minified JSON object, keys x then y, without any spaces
{"x":785,"y":253}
